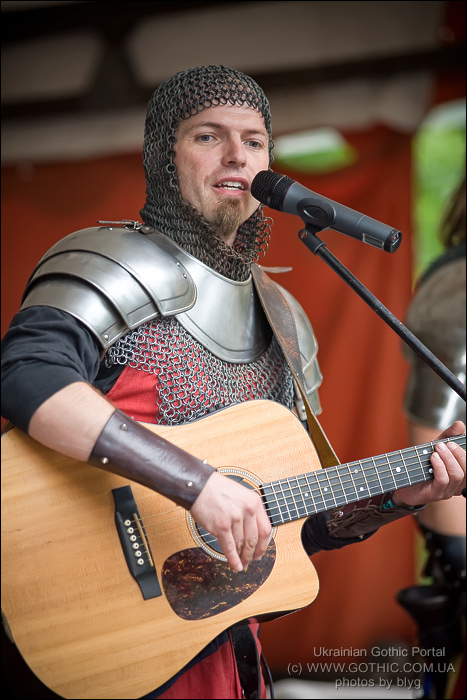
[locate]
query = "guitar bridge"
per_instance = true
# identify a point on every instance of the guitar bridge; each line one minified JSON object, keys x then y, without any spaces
{"x":134,"y":543}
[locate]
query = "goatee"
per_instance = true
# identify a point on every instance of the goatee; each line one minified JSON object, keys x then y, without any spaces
{"x":227,"y":218}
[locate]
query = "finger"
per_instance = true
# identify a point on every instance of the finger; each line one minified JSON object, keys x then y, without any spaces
{"x":453,"y":458}
{"x":247,"y":551}
{"x":250,"y":548}
{"x":264,"y":535}
{"x":460,"y":456}
{"x":458,"y":452}
{"x":440,"y":475}
{"x":246,"y":538}
{"x":230,"y":551}
{"x":448,"y":471}
{"x":257,"y":533}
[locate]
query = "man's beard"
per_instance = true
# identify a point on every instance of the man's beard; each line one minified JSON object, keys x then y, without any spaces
{"x":227,"y":218}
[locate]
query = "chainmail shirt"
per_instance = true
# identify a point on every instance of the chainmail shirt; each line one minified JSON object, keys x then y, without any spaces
{"x":190,"y":381}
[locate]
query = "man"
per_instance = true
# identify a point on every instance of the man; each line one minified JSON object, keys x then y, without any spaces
{"x":206,"y":343}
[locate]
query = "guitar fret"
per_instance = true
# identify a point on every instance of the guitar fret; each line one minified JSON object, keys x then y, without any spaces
{"x":424,"y":469}
{"x":326,"y":489}
{"x":341,"y":490}
{"x":289,"y":502}
{"x":385,"y":473}
{"x":378,"y":476}
{"x":401,"y":475}
{"x":359,"y":479}
{"x":297,"y":495}
{"x":308,"y":494}
{"x":318,"y":496}
{"x":279,"y":498}
{"x":350,"y":492}
{"x":272,"y":507}
{"x":378,"y":479}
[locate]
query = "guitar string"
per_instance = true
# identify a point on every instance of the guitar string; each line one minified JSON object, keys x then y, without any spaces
{"x":374,"y":470}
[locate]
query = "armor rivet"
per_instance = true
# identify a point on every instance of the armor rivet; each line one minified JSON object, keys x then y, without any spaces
{"x":184,"y":274}
{"x":106,"y":336}
{"x":105,"y":460}
{"x":123,"y":426}
{"x":189,"y":483}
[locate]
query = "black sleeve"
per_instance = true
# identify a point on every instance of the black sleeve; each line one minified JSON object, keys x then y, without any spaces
{"x":316,"y":537}
{"x":43,"y":351}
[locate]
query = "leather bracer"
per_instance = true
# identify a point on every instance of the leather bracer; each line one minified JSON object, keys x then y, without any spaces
{"x":128,"y":449}
{"x":358,"y":519}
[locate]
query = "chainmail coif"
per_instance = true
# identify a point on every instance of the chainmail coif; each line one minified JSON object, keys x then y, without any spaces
{"x":182,"y":96}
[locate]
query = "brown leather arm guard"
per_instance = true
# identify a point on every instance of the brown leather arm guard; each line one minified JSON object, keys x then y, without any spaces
{"x":128,"y":449}
{"x":352,"y":523}
{"x":357,"y":519}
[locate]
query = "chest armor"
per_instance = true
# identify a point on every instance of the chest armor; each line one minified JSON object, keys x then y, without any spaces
{"x":157,"y":309}
{"x":190,"y":381}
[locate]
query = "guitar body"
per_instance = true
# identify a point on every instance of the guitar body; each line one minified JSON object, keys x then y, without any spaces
{"x":75,"y":612}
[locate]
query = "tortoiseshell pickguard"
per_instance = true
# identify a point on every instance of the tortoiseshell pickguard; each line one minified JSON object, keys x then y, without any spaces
{"x":198,"y":586}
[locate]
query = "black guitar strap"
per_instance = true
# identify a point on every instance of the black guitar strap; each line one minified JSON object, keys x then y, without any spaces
{"x":248,"y":663}
{"x":281,"y":320}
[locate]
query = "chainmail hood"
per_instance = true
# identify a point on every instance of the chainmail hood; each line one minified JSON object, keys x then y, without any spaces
{"x":180,"y":97}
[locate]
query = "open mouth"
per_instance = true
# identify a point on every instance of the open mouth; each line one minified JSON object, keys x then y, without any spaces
{"x":231,"y":185}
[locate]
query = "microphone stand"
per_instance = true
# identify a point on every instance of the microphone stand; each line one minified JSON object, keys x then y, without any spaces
{"x":318,"y":247}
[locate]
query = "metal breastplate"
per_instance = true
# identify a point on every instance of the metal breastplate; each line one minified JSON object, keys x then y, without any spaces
{"x":227,"y":317}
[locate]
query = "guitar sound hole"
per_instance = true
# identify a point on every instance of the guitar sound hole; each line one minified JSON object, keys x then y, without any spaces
{"x":208,"y":541}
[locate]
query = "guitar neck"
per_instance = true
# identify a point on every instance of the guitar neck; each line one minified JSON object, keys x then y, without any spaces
{"x":318,"y":491}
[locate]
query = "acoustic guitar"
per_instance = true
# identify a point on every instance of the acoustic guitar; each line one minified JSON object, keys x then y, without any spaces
{"x":109,"y":589}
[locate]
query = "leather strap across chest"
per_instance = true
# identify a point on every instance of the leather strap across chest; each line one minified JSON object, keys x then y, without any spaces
{"x":281,"y":320}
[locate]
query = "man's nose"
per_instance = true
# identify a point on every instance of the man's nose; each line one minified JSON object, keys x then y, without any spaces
{"x":234,"y":151}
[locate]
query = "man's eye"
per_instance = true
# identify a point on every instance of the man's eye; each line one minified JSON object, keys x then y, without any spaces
{"x":205,"y":138}
{"x":255,"y":144}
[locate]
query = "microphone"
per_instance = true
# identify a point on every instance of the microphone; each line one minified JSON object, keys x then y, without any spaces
{"x":284,"y":194}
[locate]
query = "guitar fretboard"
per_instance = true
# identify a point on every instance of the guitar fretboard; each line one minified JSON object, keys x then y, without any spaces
{"x":300,"y":496}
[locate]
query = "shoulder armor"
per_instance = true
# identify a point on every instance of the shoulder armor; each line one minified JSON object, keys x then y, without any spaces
{"x":308,"y":346}
{"x":437,"y":317}
{"x":112,"y":280}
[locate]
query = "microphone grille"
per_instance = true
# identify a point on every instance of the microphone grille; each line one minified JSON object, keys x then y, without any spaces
{"x":270,"y":188}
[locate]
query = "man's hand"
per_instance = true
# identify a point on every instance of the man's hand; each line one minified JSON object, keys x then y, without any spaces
{"x":236,"y":516}
{"x":448,"y":462}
